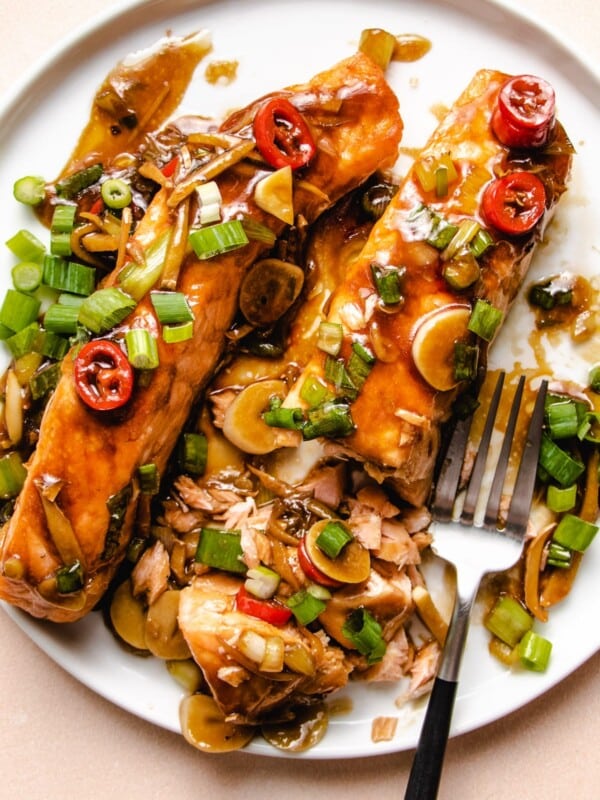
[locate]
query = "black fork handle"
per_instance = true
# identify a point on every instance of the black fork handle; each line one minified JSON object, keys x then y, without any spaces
{"x":426,"y":770}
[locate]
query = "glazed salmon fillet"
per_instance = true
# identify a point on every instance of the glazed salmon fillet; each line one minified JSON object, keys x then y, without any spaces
{"x":398,"y":412}
{"x":79,"y":500}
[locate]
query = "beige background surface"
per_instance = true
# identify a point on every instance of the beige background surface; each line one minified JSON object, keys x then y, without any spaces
{"x":58,"y":739}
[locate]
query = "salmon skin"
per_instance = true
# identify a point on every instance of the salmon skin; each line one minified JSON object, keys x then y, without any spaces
{"x":79,"y":500}
{"x":397,"y":414}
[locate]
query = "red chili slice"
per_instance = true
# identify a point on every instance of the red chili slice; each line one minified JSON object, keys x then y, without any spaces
{"x":267,"y":610}
{"x":314,"y":573}
{"x":282,"y":135}
{"x":515,"y":203}
{"x":525,"y":112}
{"x":103,"y":375}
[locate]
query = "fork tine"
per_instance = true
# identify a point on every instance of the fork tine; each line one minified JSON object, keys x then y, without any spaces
{"x":518,"y":515}
{"x":478,"y":471}
{"x":450,"y":471}
{"x":493,"y":504}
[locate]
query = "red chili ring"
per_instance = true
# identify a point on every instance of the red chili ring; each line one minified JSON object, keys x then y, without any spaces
{"x":282,"y":135}
{"x":103,"y":375}
{"x":525,"y":112}
{"x":514,"y":203}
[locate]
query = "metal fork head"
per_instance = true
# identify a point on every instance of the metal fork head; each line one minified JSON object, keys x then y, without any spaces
{"x":448,"y":484}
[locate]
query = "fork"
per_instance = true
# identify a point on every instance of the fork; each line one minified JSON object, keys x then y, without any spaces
{"x":475,"y":547}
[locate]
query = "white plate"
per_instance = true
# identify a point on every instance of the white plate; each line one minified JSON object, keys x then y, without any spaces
{"x":278,"y":43}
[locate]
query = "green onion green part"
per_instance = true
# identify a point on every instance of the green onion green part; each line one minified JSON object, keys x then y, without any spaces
{"x":69,"y":578}
{"x":193,"y":450}
{"x":333,"y":538}
{"x":534,"y":651}
{"x":138,"y":279}
{"x":508,"y":620}
{"x":149,"y":478}
{"x":71,"y":185}
{"x":27,"y":276}
{"x":68,"y":276}
{"x":558,"y":464}
{"x":26,"y":246}
{"x":559,"y":556}
{"x":329,"y":337}
{"x":485,"y":319}
{"x":217,"y":239}
{"x":388,"y":283}
{"x":105,"y":308}
{"x":305,"y":606}
{"x":221,"y":550}
{"x":314,"y":391}
{"x":178,"y":333}
{"x":171,"y":307}
{"x":62,"y":319}
{"x":332,"y":419}
{"x":561,"y":499}
{"x":29,"y":190}
{"x":12,"y":475}
{"x":142,"y":348}
{"x":574,"y":533}
{"x":18,"y":310}
{"x":363,"y":630}
{"x":116,"y":193}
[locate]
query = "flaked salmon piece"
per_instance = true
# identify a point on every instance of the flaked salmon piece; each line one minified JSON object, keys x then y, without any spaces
{"x":353,"y":116}
{"x":222,"y":641}
{"x":397,"y":413}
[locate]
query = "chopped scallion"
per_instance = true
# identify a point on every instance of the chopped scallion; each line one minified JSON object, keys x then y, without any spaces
{"x":193,"y":450}
{"x":558,"y":464}
{"x":574,"y":533}
{"x":29,"y":190}
{"x":508,"y":620}
{"x":218,"y":239}
{"x":481,"y":242}
{"x":221,"y":550}
{"x":69,"y":578}
{"x":61,"y":318}
{"x":61,"y":227}
{"x":171,"y":307}
{"x":561,"y":417}
{"x":44,"y":381}
{"x":279,"y":417}
{"x":329,"y":337}
{"x":258,"y":232}
{"x":388,"y":283}
{"x":18,"y":310}
{"x":561,"y":499}
{"x":485,"y":319}
{"x":116,"y":193}
{"x":149,"y":478}
{"x":589,"y":428}
{"x":559,"y":556}
{"x":336,"y":373}
{"x":594,"y":378}
{"x":333,"y":538}
{"x":467,"y":230}
{"x":362,"y":629}
{"x":142,"y":349}
{"x":178,"y":333}
{"x":27,"y":276}
{"x":314,"y":391}
{"x":105,"y":308}
{"x":534,"y":651}
{"x":12,"y":475}
{"x":26,"y":246}
{"x":137,"y":279}
{"x":466,"y":357}
{"x":24,"y":341}
{"x":331,"y":419}
{"x":305,"y":606}
{"x":68,"y":276}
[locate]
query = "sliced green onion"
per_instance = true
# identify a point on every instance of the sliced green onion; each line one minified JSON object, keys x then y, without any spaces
{"x":193,"y":450}
{"x":68,"y":276}
{"x":574,"y":533}
{"x":559,"y":556}
{"x":557,"y":463}
{"x":52,"y":345}
{"x":61,"y":227}
{"x":262,"y":582}
{"x":594,"y":378}
{"x":137,"y":279}
{"x":436,"y":173}
{"x":258,"y":232}
{"x":331,"y":419}
{"x":105,"y":308}
{"x":329,"y":337}
{"x":388,"y":283}
{"x":44,"y":381}
{"x":561,"y":499}
{"x":19,"y":310}
{"x":481,"y":242}
{"x":142,"y":349}
{"x":549,"y":294}
{"x":60,"y":318}
{"x":116,"y":193}
{"x":358,"y":369}
{"x":24,"y":341}
{"x":589,"y":428}
{"x":314,"y":391}
{"x":333,"y":538}
{"x":149,"y":478}
{"x":364,"y":353}
{"x":466,"y":357}
{"x":26,"y":246}
{"x":378,"y":45}
{"x":221,"y":550}
{"x":485,"y":319}
{"x":561,"y":417}
{"x":279,"y":417}
{"x":363,"y":630}
{"x":27,"y":276}
{"x":336,"y":373}
{"x":534,"y":651}
{"x":69,"y":578}
{"x":305,"y":606}
{"x":178,"y":333}
{"x":461,"y":271}
{"x":29,"y":190}
{"x":71,"y":185}
{"x":12,"y":475}
{"x":218,"y":239}
{"x":442,"y":233}
{"x":73,"y":300}
{"x":467,"y":230}
{"x":171,"y":307}
{"x":508,"y":620}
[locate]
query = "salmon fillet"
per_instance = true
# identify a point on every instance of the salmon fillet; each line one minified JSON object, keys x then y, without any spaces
{"x":93,"y":458}
{"x":397,"y":414}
